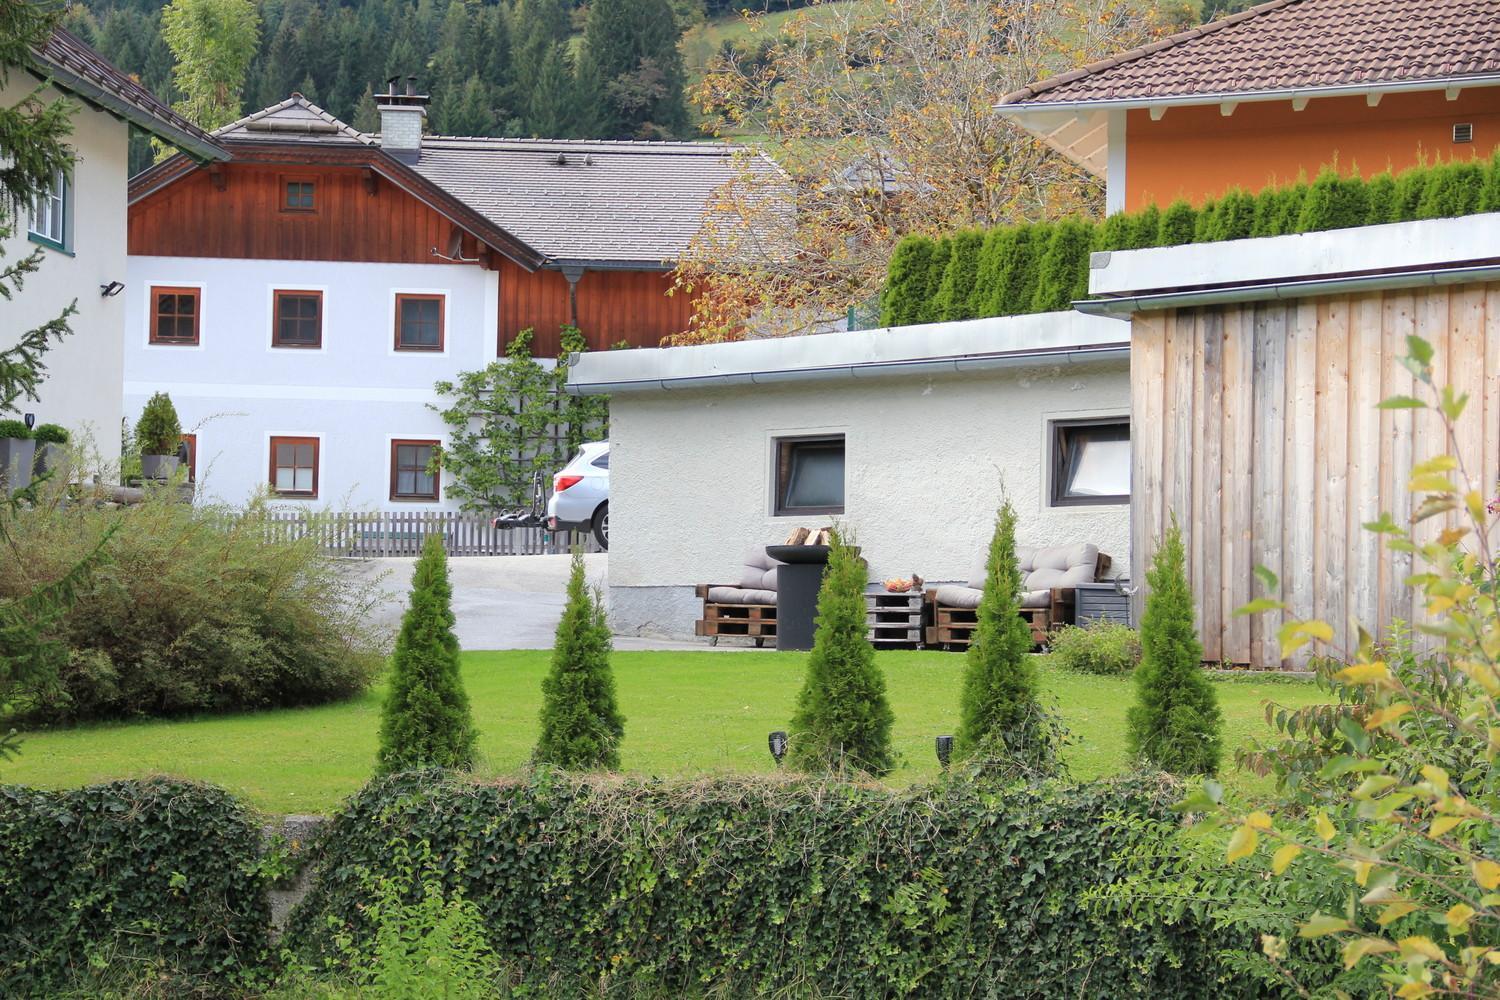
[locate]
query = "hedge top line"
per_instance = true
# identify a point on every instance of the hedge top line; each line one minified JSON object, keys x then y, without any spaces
{"x":1044,"y":267}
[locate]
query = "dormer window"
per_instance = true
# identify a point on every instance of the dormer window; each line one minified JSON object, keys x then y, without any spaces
{"x":298,"y":195}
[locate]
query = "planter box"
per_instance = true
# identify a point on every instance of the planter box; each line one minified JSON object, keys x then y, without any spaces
{"x":17,"y":457}
{"x":50,"y":458}
{"x":158,"y":466}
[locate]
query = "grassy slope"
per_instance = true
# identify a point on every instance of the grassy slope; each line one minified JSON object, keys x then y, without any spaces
{"x":686,"y":713}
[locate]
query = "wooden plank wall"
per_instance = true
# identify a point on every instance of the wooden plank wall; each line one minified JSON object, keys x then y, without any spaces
{"x":613,"y":307}
{"x":1256,"y":426}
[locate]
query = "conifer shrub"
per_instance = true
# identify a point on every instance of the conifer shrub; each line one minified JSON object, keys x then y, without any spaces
{"x":49,"y":434}
{"x":15,"y":429}
{"x":425,"y":721}
{"x":1266,"y":213}
{"x":1289,"y":209}
{"x":1020,"y":268}
{"x":906,"y":282}
{"x":1334,"y":202}
{"x":581,"y":724}
{"x":1063,"y":274}
{"x":1489,"y":193}
{"x":1234,"y":217}
{"x":1178,"y":223}
{"x":158,"y":430}
{"x":1116,"y":233}
{"x":1381,"y":191}
{"x":1175,"y":723}
{"x":1147,"y":227}
{"x":959,"y":276}
{"x":1203,"y":223}
{"x":986,"y":297}
{"x":1002,"y":723}
{"x":842,"y":721}
{"x":1411,"y":187}
{"x":1453,"y":189}
{"x":927,"y":306}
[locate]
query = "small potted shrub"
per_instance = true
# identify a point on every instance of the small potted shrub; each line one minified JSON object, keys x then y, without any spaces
{"x":158,"y":433}
{"x":51,"y":448}
{"x":17,"y":454}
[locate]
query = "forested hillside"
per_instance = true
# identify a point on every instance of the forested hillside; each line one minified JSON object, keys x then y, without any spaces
{"x":552,"y":68}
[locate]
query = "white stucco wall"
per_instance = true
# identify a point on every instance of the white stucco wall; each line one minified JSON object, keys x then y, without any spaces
{"x":925,"y":460}
{"x":82,"y":390}
{"x":356,"y":393}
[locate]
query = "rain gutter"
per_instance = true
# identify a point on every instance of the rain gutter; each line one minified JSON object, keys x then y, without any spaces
{"x":1450,"y":83}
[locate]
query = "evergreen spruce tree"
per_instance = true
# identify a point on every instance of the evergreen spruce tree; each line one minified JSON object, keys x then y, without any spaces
{"x":1178,"y":223}
{"x":842,"y":718}
{"x":1453,"y":190}
{"x":957,"y":284}
{"x":1334,"y":202}
{"x":550,"y":108}
{"x":630,"y":46}
{"x":425,"y":721}
{"x":1003,"y":723}
{"x":906,"y":282}
{"x":581,"y":722}
{"x":366,"y":114}
{"x":1175,"y":722}
{"x":1063,"y":274}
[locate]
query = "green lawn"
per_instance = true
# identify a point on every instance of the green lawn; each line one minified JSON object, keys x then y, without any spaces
{"x":686,"y":713}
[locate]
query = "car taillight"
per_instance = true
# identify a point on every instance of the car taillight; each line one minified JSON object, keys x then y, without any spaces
{"x":560,"y":483}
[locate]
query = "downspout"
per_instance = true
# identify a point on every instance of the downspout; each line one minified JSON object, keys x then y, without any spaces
{"x":573,"y":273}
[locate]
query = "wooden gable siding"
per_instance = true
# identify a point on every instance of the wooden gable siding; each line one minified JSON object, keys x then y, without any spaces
{"x":613,"y":306}
{"x":1256,"y":426}
{"x":192,"y":218}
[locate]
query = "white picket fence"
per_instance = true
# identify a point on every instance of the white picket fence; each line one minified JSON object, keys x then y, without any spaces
{"x":372,"y":534}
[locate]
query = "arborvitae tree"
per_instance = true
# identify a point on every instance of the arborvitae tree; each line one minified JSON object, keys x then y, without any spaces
{"x":581,"y":722}
{"x":1178,"y":223}
{"x":1267,"y":210}
{"x":906,"y":282}
{"x":985,"y":296}
{"x":1147,"y":227}
{"x":1410,"y":189}
{"x":1117,"y":233}
{"x":1175,"y":722}
{"x":1452,"y":190}
{"x":1489,"y":192}
{"x":1203,"y":223}
{"x":942,"y":252}
{"x":1334,"y":202}
{"x":1381,"y":195}
{"x":425,"y":721}
{"x":842,"y":718}
{"x":1002,"y":721}
{"x":959,"y":277}
{"x":1019,"y":266}
{"x":1289,"y":209}
{"x":1064,"y":271}
{"x":631,"y":47}
{"x":1234,"y":217}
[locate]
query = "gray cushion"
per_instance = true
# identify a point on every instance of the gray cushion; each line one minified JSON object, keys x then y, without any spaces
{"x":959,"y":597}
{"x":759,"y":573}
{"x":1048,"y":567}
{"x":741,"y":595}
{"x":1036,"y":598}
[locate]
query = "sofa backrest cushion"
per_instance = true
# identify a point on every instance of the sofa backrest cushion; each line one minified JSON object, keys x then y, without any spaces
{"x":1043,"y":568}
{"x":759,"y":572}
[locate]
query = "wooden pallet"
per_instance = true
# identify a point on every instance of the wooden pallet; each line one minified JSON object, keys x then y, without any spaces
{"x":893,"y":619}
{"x":953,"y":628}
{"x":747,"y":621}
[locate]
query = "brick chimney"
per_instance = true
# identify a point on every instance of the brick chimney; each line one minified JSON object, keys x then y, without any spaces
{"x":401,"y":117}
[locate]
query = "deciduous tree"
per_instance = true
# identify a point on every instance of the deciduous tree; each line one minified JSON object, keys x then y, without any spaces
{"x":214,"y":41}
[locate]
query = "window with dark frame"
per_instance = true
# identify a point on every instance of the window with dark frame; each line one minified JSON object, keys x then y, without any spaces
{"x":810,"y":475}
{"x":175,"y":314}
{"x":414,"y":474}
{"x":419,"y":322}
{"x":298,"y":196}
{"x":294,"y":467}
{"x":298,"y":320}
{"x":1090,"y":462}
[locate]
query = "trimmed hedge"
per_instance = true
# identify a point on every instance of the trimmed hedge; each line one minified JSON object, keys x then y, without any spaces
{"x":1011,"y":270}
{"x":746,"y":887}
{"x":162,"y":870}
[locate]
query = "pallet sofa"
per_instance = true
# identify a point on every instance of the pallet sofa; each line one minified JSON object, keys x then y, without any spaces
{"x":1048,"y":576}
{"x":746,"y":609}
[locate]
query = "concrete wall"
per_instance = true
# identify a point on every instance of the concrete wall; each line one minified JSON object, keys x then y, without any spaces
{"x":82,"y":390}
{"x":926,"y":456}
{"x":355,"y":394}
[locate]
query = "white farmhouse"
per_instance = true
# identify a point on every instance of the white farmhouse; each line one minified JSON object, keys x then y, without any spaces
{"x":80,"y":224}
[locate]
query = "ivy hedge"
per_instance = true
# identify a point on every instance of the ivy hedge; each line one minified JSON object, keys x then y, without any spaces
{"x":749,"y":887}
{"x":161,"y":871}
{"x":1042,"y":267}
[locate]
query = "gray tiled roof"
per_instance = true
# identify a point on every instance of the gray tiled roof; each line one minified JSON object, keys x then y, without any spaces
{"x":75,"y":67}
{"x":614,"y":202}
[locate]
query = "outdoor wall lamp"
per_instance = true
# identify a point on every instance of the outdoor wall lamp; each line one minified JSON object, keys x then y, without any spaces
{"x":777,"y":743}
{"x":30,"y":419}
{"x":944,"y":750}
{"x":112,"y":289}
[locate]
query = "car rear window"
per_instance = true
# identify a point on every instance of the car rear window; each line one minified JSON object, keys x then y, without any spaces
{"x":602,"y":462}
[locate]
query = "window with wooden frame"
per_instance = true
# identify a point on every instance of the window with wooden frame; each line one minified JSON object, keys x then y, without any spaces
{"x":175,"y":315}
{"x":299,"y":194}
{"x":1090,"y":462}
{"x":419,"y":322}
{"x":191,"y":441}
{"x":810,"y":475}
{"x":414,"y":471}
{"x":294,"y":467}
{"x":297,"y":319}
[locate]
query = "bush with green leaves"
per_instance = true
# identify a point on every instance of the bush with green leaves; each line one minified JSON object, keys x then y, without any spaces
{"x":1489,"y":192}
{"x":1179,"y":223}
{"x":159,"y":874}
{"x":1100,"y":647}
{"x":49,"y":434}
{"x":843,"y":720}
{"x":1334,"y":202}
{"x":773,"y":886}
{"x":928,"y":310}
{"x":962,"y":270}
{"x":15,"y":429}
{"x":199,"y":609}
{"x":425,"y":720}
{"x":581,"y":724}
{"x":158,"y":430}
{"x":1175,"y":723}
{"x":1453,"y":189}
{"x":1003,"y":727}
{"x":906,"y":282}
{"x":1063,"y":273}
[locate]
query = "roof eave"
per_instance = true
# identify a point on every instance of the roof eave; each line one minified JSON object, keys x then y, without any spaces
{"x":598,"y":264}
{"x":194,"y":146}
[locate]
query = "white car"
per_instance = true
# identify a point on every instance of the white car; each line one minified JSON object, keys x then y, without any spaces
{"x":580,"y":494}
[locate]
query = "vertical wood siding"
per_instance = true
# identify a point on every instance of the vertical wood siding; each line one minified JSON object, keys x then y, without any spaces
{"x":1256,"y":427}
{"x":613,"y":307}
